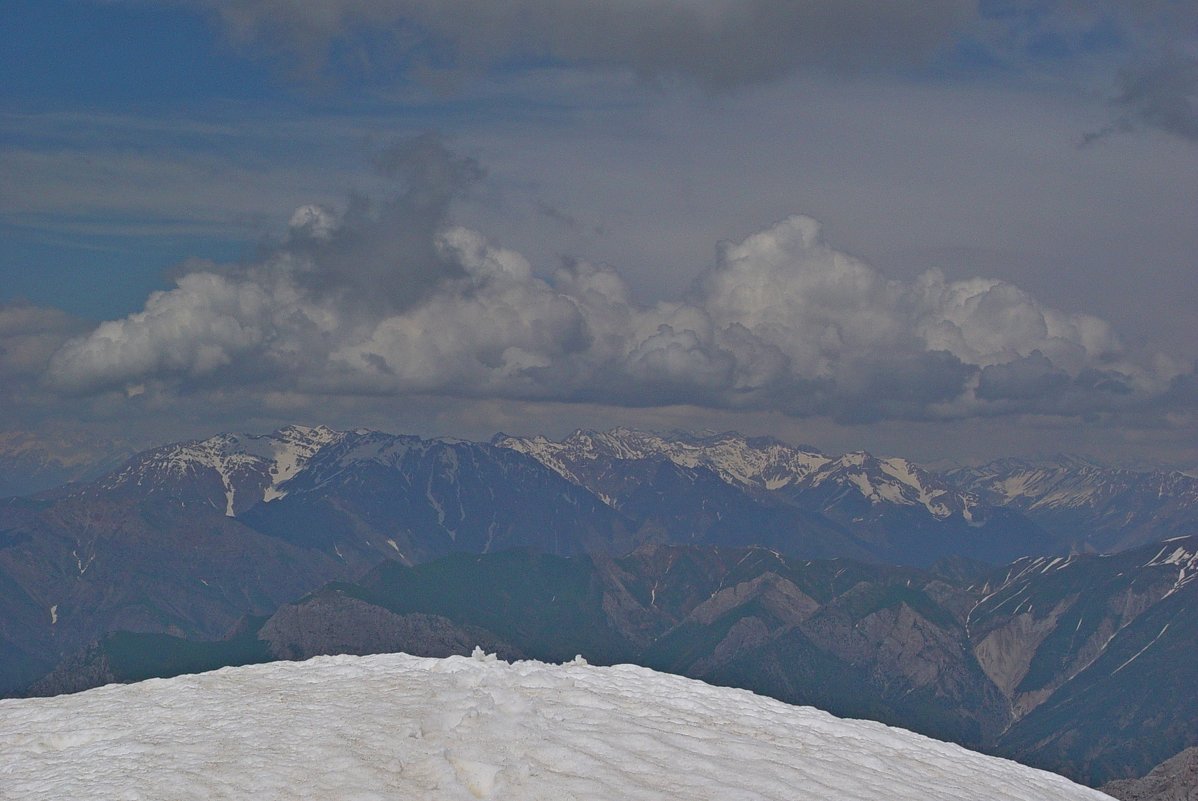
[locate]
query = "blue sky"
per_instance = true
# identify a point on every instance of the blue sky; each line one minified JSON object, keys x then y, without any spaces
{"x":92,"y":59}
{"x":101,"y":56}
{"x":1040,"y":158}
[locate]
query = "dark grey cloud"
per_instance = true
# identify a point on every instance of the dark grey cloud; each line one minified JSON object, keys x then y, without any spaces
{"x":1025,"y":378}
{"x":382,"y":255}
{"x":1146,"y":48}
{"x":904,"y":385}
{"x":1162,"y":95}
{"x":717,"y":43}
{"x":392,"y":299}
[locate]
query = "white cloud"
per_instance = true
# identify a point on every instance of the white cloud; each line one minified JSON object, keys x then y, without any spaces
{"x":784,"y":321}
{"x":207,"y":322}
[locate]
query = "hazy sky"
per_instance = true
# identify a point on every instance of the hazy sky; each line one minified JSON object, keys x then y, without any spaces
{"x":940,"y":228}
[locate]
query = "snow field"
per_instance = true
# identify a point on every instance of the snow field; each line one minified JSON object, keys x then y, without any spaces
{"x":400,"y":727}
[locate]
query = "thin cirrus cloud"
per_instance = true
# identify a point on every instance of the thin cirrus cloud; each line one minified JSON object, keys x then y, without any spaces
{"x":1142,"y":55}
{"x":1146,"y":51}
{"x":718,"y":43}
{"x":391,"y":299}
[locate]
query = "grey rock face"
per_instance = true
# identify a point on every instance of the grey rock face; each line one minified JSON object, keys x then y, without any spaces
{"x":335,"y":623}
{"x":1175,"y":779}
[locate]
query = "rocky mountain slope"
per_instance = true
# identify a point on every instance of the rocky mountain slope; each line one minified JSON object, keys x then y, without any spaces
{"x":188,"y":538}
{"x":1175,"y":779}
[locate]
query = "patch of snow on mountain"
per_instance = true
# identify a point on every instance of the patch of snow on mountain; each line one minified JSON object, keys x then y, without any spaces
{"x":396,"y":726}
{"x":1017,"y":485}
{"x":249,"y":467}
{"x":741,"y":461}
{"x":1184,"y":559}
{"x":1170,"y":555}
{"x":909,"y":475}
{"x":762,"y":464}
{"x":896,"y":481}
{"x":1067,"y":482}
{"x":223,"y":454}
{"x":291,"y":448}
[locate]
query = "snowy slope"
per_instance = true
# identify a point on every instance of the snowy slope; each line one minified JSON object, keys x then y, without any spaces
{"x":1070,"y":482}
{"x":242,"y":469}
{"x":893,"y":481}
{"x":1087,"y":504}
{"x":757,"y":463}
{"x":396,"y":726}
{"x":751,"y":463}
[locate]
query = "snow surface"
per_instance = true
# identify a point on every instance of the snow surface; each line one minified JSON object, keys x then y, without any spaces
{"x":400,"y":727}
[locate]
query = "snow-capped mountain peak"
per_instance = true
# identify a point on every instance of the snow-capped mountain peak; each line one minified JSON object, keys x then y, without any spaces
{"x":291,"y":448}
{"x":894,"y":480}
{"x":242,"y":469}
{"x":756,"y":464}
{"x":1108,"y":508}
{"x":222,"y":456}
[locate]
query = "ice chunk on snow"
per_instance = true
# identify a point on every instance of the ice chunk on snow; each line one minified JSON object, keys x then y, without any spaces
{"x":479,"y":655}
{"x":396,"y":726}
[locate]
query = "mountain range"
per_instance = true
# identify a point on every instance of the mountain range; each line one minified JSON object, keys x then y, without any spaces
{"x":971,"y":604}
{"x":1097,"y":507}
{"x":1075,"y":503}
{"x":32,"y":462}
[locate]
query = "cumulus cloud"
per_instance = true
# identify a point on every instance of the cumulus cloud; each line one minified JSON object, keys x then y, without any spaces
{"x":718,"y":43}
{"x":393,"y":299}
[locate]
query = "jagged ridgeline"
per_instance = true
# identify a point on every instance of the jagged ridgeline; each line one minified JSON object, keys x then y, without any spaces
{"x":129,"y":574}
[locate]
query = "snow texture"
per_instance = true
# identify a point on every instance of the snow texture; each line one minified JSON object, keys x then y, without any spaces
{"x":395,"y":726}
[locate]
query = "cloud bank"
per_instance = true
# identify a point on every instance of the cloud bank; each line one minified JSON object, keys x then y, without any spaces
{"x":393,"y":299}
